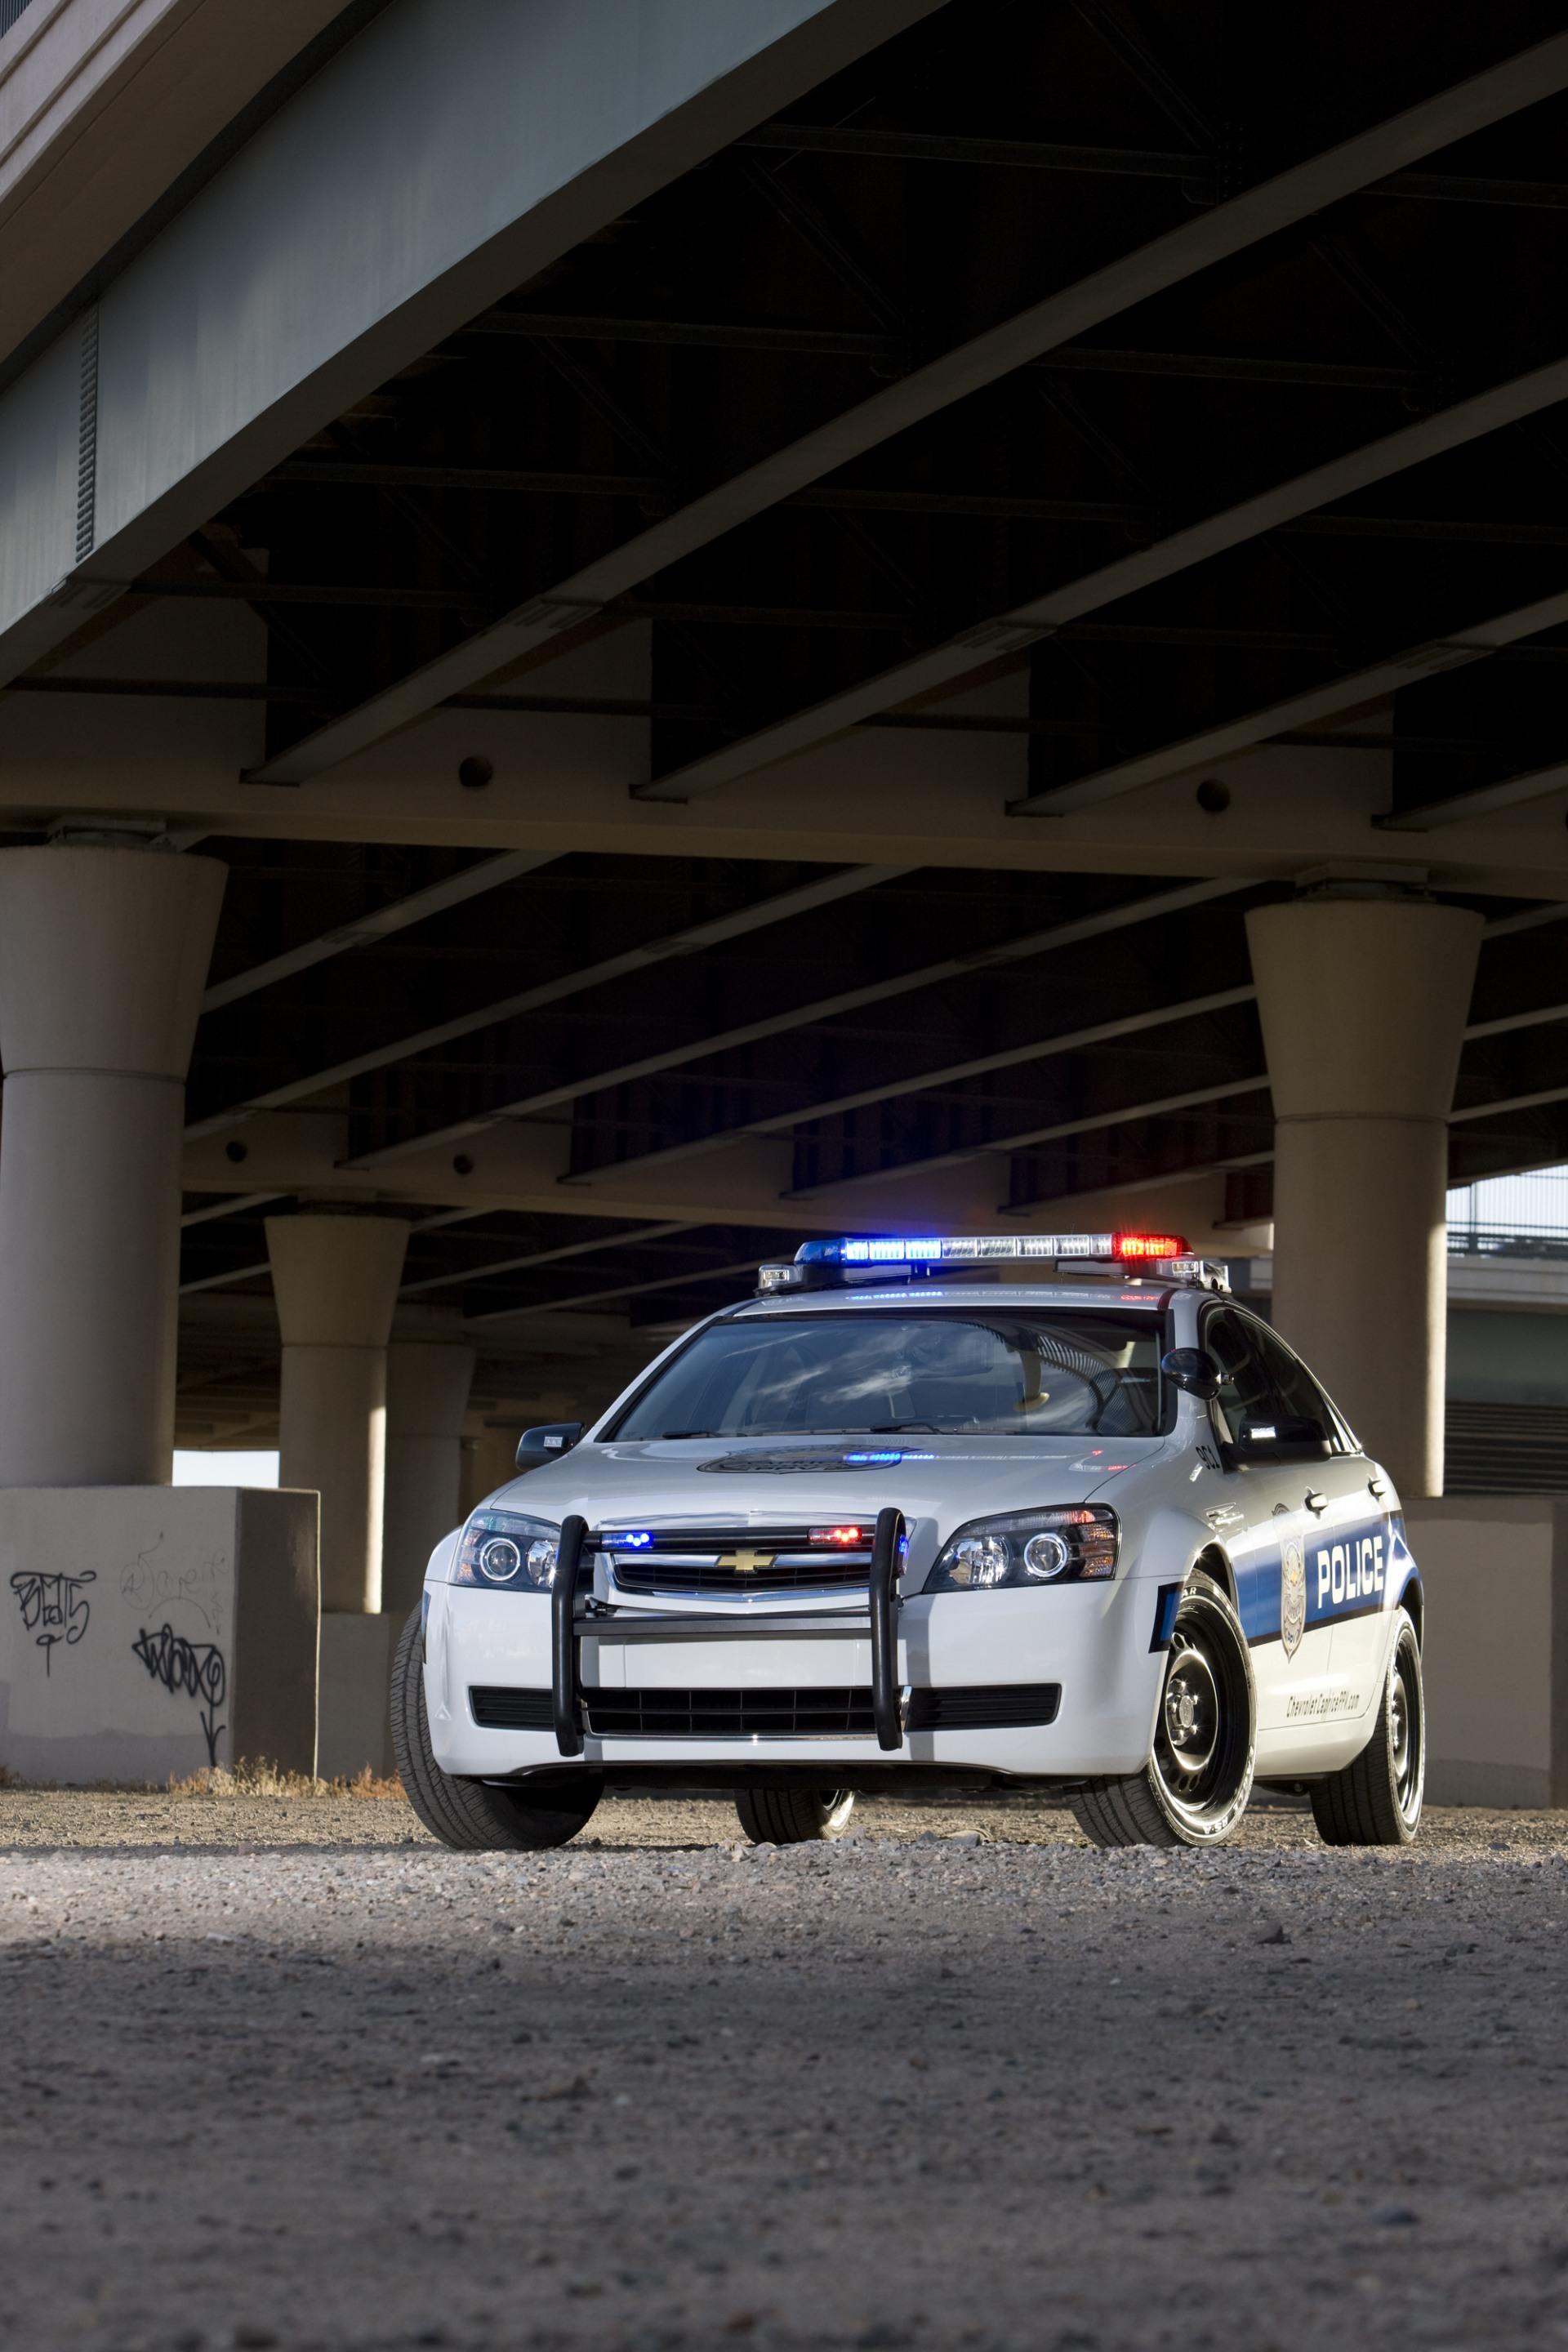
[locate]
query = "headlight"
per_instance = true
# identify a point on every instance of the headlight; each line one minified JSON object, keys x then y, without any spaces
{"x":504,"y":1551}
{"x":1068,"y":1546}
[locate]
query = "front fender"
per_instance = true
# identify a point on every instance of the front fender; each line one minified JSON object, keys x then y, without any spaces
{"x":1171,"y":1543}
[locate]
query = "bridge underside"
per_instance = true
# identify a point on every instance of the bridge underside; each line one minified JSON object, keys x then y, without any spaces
{"x":774,"y":719}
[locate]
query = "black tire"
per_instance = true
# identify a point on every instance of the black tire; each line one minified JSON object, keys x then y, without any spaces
{"x":1195,"y":1788}
{"x":1376,"y":1799}
{"x":475,"y":1816}
{"x":793,"y":1816}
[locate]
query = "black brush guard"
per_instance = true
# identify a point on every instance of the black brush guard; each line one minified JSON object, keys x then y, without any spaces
{"x":571,"y":1624}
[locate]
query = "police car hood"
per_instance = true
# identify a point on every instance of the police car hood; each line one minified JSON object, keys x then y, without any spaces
{"x":751,"y":1482}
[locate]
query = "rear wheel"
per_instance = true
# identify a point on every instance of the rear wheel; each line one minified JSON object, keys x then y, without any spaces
{"x":793,"y":1816}
{"x":1376,"y":1799}
{"x":475,"y":1816}
{"x":1195,"y":1788}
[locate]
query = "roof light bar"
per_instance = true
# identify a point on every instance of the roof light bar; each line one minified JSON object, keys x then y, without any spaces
{"x":822,"y":1264}
{"x":971,"y":1249}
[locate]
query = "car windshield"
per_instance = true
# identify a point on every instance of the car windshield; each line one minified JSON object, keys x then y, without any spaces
{"x":1005,"y":1371}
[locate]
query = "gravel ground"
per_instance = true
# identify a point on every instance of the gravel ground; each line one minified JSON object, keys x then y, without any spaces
{"x":284,"y":2073}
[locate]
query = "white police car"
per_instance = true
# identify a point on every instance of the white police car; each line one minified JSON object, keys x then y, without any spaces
{"x":940,"y":1514}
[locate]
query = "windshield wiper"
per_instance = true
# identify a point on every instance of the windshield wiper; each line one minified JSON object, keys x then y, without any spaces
{"x":748,"y":1434}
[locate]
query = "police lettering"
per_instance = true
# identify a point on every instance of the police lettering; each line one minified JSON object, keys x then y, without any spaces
{"x":1350,"y":1571}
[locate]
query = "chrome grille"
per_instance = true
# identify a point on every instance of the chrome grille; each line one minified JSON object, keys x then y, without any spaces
{"x":736,"y":1560}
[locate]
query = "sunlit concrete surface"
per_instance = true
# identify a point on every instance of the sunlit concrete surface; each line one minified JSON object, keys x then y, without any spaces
{"x":287,"y":2075}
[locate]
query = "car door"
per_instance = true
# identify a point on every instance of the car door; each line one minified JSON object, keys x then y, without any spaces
{"x":1362,"y":1589}
{"x":1262,"y":1522}
{"x":1344,"y":1553}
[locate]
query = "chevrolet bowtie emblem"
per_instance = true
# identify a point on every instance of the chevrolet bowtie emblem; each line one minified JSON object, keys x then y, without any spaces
{"x":747,"y":1562}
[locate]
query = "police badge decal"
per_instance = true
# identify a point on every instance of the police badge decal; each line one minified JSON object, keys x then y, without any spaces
{"x":1292,"y":1598}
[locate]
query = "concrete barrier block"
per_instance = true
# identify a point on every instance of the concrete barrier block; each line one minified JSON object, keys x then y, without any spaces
{"x":356,"y":1674}
{"x":1495,"y":1655}
{"x":150,"y":1630}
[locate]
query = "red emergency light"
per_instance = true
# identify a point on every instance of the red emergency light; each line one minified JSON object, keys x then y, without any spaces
{"x":1137,"y":1245}
{"x":842,"y":1536}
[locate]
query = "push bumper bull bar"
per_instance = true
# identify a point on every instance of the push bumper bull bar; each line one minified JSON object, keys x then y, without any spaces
{"x":571,"y":1624}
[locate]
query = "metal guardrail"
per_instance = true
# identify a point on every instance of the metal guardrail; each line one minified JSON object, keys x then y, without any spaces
{"x":1489,"y":1241}
{"x":9,"y":12}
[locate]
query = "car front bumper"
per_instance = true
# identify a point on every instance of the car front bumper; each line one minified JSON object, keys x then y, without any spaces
{"x":1097,"y":1642}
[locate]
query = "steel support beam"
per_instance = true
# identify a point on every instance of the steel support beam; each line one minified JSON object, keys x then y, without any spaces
{"x":380,"y":924}
{"x":822,"y":1008}
{"x":1541,"y":1100}
{"x":1486,"y":800}
{"x":1194,"y":172}
{"x":542,"y":1257}
{"x":302,"y":275}
{"x":780,"y":909}
{"x":621,"y":1290}
{"x":1473,"y":643}
{"x":236,"y":1207}
{"x":1009,"y":1057}
{"x":929,"y":1081}
{"x":1026,"y":625}
{"x":1213,"y":236}
{"x":222,"y":1281}
{"x":1002,"y":1146}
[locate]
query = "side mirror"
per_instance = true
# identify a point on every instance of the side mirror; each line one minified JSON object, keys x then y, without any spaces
{"x":1193,"y":1371}
{"x":547,"y":1444}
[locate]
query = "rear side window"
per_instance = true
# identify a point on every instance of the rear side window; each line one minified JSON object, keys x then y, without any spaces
{"x":1301,"y":1400}
{"x":1246,"y":1394}
{"x":1264,"y":1382}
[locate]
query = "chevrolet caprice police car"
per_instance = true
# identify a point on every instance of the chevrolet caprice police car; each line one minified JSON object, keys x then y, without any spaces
{"x":968,"y":1512}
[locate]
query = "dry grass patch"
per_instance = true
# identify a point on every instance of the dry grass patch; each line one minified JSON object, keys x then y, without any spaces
{"x":263,"y":1780}
{"x":259,"y":1778}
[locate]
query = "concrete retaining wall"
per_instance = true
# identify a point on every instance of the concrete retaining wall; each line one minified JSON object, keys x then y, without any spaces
{"x":1496,"y":1648}
{"x":147,"y":1631}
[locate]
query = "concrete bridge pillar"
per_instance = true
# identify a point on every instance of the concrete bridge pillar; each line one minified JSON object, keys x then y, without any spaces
{"x":103,"y":956}
{"x":1364,"y":999}
{"x":335,"y":1281}
{"x":427,"y":1384}
{"x":490,"y":1459}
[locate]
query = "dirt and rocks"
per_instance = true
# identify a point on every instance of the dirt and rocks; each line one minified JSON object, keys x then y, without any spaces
{"x":285,"y":2072}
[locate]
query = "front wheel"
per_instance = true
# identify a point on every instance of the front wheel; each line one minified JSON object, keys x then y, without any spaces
{"x":1376,"y":1799}
{"x":475,"y":1816}
{"x":793,"y":1816}
{"x":1195,"y":1788}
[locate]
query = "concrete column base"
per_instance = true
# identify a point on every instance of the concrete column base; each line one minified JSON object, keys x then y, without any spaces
{"x":147,"y":1632}
{"x":356,"y":1674}
{"x":1363,"y":1001}
{"x":335,"y":1279}
{"x":1496,"y":1650}
{"x":428,"y":1383}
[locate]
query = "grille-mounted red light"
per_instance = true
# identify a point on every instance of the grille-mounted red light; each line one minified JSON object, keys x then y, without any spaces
{"x":1149,"y":1246}
{"x":844,"y":1536}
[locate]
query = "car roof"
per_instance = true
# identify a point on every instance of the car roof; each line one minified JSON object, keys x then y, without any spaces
{"x":913,"y":1297}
